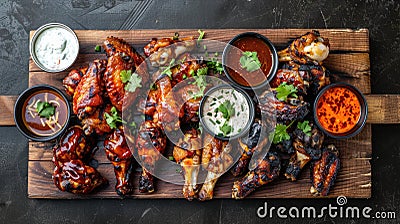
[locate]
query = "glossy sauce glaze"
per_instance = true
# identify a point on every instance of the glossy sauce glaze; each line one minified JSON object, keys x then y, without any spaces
{"x":241,"y":75}
{"x":338,"y":110}
{"x":42,"y":126}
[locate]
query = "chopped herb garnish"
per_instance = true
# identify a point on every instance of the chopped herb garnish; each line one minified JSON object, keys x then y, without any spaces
{"x":280,"y":133}
{"x":209,"y":114}
{"x":249,"y":61}
{"x":212,"y":104}
{"x":216,"y":54}
{"x":134,"y":82}
{"x":220,"y":97}
{"x":239,"y":130}
{"x":283,"y":91}
{"x":241,"y":107}
{"x":171,"y":158}
{"x":191,"y":72}
{"x":201,"y":36}
{"x":205,"y":47}
{"x":113,"y":118}
{"x":213,"y":122}
{"x":184,"y":76}
{"x":97,"y":48}
{"x":45,"y":109}
{"x":227,"y":109}
{"x":125,"y":75}
{"x":202,"y":71}
{"x":226,"y":129}
{"x":176,"y":36}
{"x":305,"y":127}
{"x":218,"y":122}
{"x":215,"y":66}
{"x":167,"y":70}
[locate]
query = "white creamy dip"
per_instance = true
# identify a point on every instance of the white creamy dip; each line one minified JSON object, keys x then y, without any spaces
{"x":56,"y":48}
{"x":218,"y":120}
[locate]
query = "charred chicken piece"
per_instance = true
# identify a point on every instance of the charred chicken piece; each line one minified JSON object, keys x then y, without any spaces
{"x":78,"y":178}
{"x":248,"y":145}
{"x":310,"y":48}
{"x":187,"y":153}
{"x":96,"y":122}
{"x":88,"y":94}
{"x":122,"y":57}
{"x":267,"y":170}
{"x":73,"y":145}
{"x":151,"y":142}
{"x":216,"y":160}
{"x":161,"y":52}
{"x":293,"y":77}
{"x":71,"y":81}
{"x":307,"y":148}
{"x":119,"y":154}
{"x":324,"y":171}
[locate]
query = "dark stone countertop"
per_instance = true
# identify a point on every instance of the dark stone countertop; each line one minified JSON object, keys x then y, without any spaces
{"x":18,"y":17}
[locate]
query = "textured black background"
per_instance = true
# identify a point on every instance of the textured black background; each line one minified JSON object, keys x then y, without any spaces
{"x":17,"y":18}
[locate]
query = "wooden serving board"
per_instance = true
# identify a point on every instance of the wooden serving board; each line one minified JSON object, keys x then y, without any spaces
{"x":348,"y":62}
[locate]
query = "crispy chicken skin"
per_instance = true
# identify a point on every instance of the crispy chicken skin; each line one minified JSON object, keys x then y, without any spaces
{"x":216,"y":160}
{"x":248,"y":144}
{"x":266,"y":171}
{"x":324,"y":171}
{"x":293,"y":77}
{"x":88,"y":94}
{"x":151,"y":142}
{"x":78,"y":178}
{"x":71,"y":81}
{"x":307,"y":148}
{"x":96,"y":122}
{"x":73,"y":145}
{"x":187,"y":153}
{"x":119,"y":154}
{"x":310,"y":48}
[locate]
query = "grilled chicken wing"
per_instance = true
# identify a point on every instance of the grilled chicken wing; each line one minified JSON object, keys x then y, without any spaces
{"x":122,"y":57}
{"x":119,"y":154}
{"x":161,"y":52}
{"x":294,"y":77}
{"x":71,"y":81}
{"x":96,"y":122}
{"x":310,"y":48}
{"x":78,"y":178}
{"x":267,"y":170}
{"x":216,"y":160}
{"x":307,"y":148}
{"x":324,"y":171}
{"x":151,"y":142}
{"x":248,"y":145}
{"x":88,"y":94}
{"x":187,"y":153}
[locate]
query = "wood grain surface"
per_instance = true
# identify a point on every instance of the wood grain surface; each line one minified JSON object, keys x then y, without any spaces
{"x":348,"y":62}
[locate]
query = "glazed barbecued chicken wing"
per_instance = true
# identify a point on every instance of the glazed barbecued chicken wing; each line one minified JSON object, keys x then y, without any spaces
{"x":187,"y":153}
{"x":122,"y":58}
{"x":216,"y":160}
{"x":267,"y":170}
{"x":324,"y":171}
{"x":162,"y":51}
{"x":77,"y":177}
{"x":119,"y":154}
{"x":307,"y":147}
{"x":310,"y":48}
{"x":151,"y":142}
{"x":71,"y":81}
{"x":70,"y":156}
{"x":248,"y":144}
{"x":294,"y":77}
{"x":88,"y":95}
{"x":96,"y":122}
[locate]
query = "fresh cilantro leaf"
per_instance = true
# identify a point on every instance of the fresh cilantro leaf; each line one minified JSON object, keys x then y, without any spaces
{"x":201,"y":36}
{"x":125,"y":75}
{"x":281,"y":134}
{"x":135,"y":81}
{"x":226,"y":129}
{"x":97,"y":48}
{"x":202,"y":71}
{"x":284,"y":91}
{"x":45,"y":109}
{"x":227,"y":109}
{"x":250,"y":61}
{"x":215,"y":65}
{"x":171,"y":158}
{"x":167,"y":70}
{"x":113,"y":119}
{"x":305,"y":127}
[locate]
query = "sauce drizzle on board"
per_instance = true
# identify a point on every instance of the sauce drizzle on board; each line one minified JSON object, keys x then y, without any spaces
{"x":338,"y":110}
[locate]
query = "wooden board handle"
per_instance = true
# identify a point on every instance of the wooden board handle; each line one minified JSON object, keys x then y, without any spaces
{"x":382,"y":109}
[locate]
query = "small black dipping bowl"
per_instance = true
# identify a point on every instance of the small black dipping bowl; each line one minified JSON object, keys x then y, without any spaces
{"x":18,"y":113}
{"x":245,"y":130}
{"x":363,"y":109}
{"x":275,"y":60}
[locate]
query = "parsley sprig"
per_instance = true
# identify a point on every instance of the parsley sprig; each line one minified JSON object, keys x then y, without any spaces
{"x":227,"y":109}
{"x":113,"y":119}
{"x":45,"y":109}
{"x":250,"y":61}
{"x":132,"y":80}
{"x":283,"y":91}
{"x":200,"y":81}
{"x":305,"y":127}
{"x":280,"y":133}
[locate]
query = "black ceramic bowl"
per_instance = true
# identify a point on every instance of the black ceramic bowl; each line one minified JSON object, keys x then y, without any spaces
{"x":363,"y":109}
{"x":244,"y":130}
{"x":19,"y":113}
{"x":268,"y":43}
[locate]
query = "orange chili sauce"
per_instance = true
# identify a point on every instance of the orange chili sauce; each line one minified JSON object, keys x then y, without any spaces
{"x":338,"y":110}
